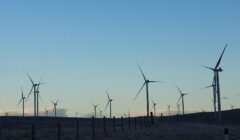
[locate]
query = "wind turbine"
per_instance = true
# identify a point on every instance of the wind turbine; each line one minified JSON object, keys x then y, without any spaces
{"x":146,"y":82}
{"x":216,"y":71}
{"x":46,"y":112}
{"x":6,"y":113}
{"x":129,"y":115}
{"x":178,"y":107}
{"x":23,"y":102}
{"x":95,"y":110}
{"x":34,"y":89}
{"x":154,"y":107}
{"x":55,"y":107}
{"x":109,"y":103}
{"x":169,"y":109}
{"x":232,"y":107}
{"x":100,"y":113}
{"x":38,"y":96}
{"x":214,"y":93}
{"x":181,"y":97}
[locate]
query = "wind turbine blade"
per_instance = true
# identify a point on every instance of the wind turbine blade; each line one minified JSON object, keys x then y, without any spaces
{"x":22,"y":91}
{"x":19,"y":101}
{"x":53,"y":102}
{"x":29,"y":93}
{"x":208,"y":67}
{"x":207,"y":87}
{"x":108,"y":95}
{"x":41,"y":99}
{"x":156,"y":81}
{"x":38,"y":85}
{"x":106,"y":105}
{"x":139,"y":91}
{"x":30,"y":79}
{"x":142,"y":73}
{"x":178,"y":89}
{"x":221,"y":57}
{"x":57,"y":102}
{"x":179,"y":99}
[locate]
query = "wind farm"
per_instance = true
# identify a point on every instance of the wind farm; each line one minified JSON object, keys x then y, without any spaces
{"x":119,"y":70}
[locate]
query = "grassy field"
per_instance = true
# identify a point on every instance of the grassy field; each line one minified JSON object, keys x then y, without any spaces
{"x":198,"y":126}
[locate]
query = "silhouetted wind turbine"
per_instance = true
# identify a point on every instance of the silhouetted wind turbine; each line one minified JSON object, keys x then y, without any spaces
{"x":216,"y":71}
{"x":154,"y":107}
{"x":34,"y":86}
{"x":181,"y":97}
{"x":55,"y":107}
{"x":169,"y":109}
{"x":23,"y":103}
{"x":214,"y":93}
{"x":6,"y":113}
{"x":38,"y":96}
{"x":95,"y":110}
{"x":46,"y":112}
{"x":232,"y":107}
{"x":100,"y":113}
{"x":146,"y":82}
{"x":34,"y":89}
{"x":178,"y":107}
{"x":109,"y":103}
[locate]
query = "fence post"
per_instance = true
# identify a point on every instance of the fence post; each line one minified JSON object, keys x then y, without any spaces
{"x":77,"y":130}
{"x":104,"y":125}
{"x":0,"y":132}
{"x":140,"y":121}
{"x":33,"y":131}
{"x":59,"y":131}
{"x":93,"y":128}
{"x":135,"y":123}
{"x":145,"y":122}
{"x":114,"y":124}
{"x":152,"y":118}
{"x":129,"y":122}
{"x":122,"y":126}
{"x":226,"y":136}
{"x":161,"y":117}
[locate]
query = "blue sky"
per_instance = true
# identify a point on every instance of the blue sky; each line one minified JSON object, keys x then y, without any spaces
{"x":82,"y":48}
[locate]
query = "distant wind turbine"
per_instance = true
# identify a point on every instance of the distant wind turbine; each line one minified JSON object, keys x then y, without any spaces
{"x":6,"y":113}
{"x":23,"y":103}
{"x":154,"y":107}
{"x":100,"y":113}
{"x":181,"y":97}
{"x":55,"y":107}
{"x":46,"y":112}
{"x":169,"y":109}
{"x":232,"y":107}
{"x":95,"y":110}
{"x":178,"y":108}
{"x":146,"y":82}
{"x":109,"y":103}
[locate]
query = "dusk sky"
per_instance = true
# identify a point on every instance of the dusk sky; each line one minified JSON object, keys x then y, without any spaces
{"x":83,"y":48}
